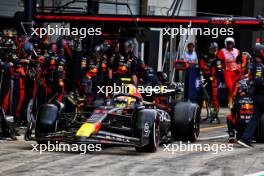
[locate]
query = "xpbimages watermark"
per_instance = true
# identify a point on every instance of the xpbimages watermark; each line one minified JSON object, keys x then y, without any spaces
{"x":214,"y":32}
{"x":65,"y":31}
{"x":193,"y":147}
{"x":142,"y":89}
{"x":61,"y":147}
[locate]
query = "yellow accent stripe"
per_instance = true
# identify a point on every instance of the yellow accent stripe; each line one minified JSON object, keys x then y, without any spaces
{"x":211,"y":128}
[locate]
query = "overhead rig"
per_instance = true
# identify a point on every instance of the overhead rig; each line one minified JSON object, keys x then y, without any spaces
{"x":156,"y":21}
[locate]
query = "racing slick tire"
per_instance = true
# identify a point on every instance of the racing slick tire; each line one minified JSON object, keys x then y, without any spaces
{"x":154,"y":135}
{"x":259,"y":136}
{"x":46,"y":122}
{"x":186,"y":122}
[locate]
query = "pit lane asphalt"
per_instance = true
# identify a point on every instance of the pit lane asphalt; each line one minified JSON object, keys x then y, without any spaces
{"x":17,"y":158}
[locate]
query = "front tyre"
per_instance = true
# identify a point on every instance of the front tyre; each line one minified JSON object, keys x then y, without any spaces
{"x":154,"y":139}
{"x":186,"y":122}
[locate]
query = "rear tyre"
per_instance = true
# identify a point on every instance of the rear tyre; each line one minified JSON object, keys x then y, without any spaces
{"x":186,"y":122}
{"x":154,"y":139}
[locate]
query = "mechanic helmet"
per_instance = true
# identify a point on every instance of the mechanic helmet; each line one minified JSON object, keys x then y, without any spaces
{"x":148,"y":71}
{"x":105,"y":45}
{"x":116,"y":47}
{"x":245,"y":60}
{"x":229,"y":40}
{"x":212,"y":49}
{"x":163,"y":77}
{"x":259,"y":52}
{"x":85,"y":86}
{"x":243,"y":85}
{"x":39,"y":51}
{"x":97,"y":48}
{"x":53,"y":48}
{"x":62,"y":62}
{"x":28,"y":47}
{"x":128,"y":46}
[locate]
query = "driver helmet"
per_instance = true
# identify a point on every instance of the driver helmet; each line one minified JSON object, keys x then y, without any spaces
{"x":121,"y":102}
{"x":125,"y":101}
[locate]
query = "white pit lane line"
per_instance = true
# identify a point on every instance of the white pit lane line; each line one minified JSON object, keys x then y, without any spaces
{"x":261,"y":173}
{"x":212,"y":138}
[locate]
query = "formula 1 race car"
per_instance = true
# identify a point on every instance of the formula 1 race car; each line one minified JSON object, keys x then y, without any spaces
{"x":125,"y":119}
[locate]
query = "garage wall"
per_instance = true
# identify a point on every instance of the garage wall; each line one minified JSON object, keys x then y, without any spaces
{"x":9,"y":8}
{"x":81,"y":5}
{"x":120,"y":9}
{"x":158,"y":7}
{"x":188,"y":8}
{"x":106,"y":8}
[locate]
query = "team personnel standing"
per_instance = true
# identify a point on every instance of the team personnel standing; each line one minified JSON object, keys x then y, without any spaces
{"x":115,"y":54}
{"x":257,"y":77}
{"x":192,"y":74}
{"x":241,"y":96}
{"x":122,"y":66}
{"x":89,"y":79}
{"x":128,"y":52}
{"x":232,"y":70}
{"x":190,"y":55}
{"x":103,"y":59}
{"x":209,"y":67}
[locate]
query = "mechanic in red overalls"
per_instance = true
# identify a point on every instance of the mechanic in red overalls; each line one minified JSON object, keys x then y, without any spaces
{"x":232,"y":70}
{"x":14,"y":97}
{"x":209,"y":67}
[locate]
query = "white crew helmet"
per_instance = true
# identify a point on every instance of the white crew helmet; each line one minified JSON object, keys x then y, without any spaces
{"x":229,"y":39}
